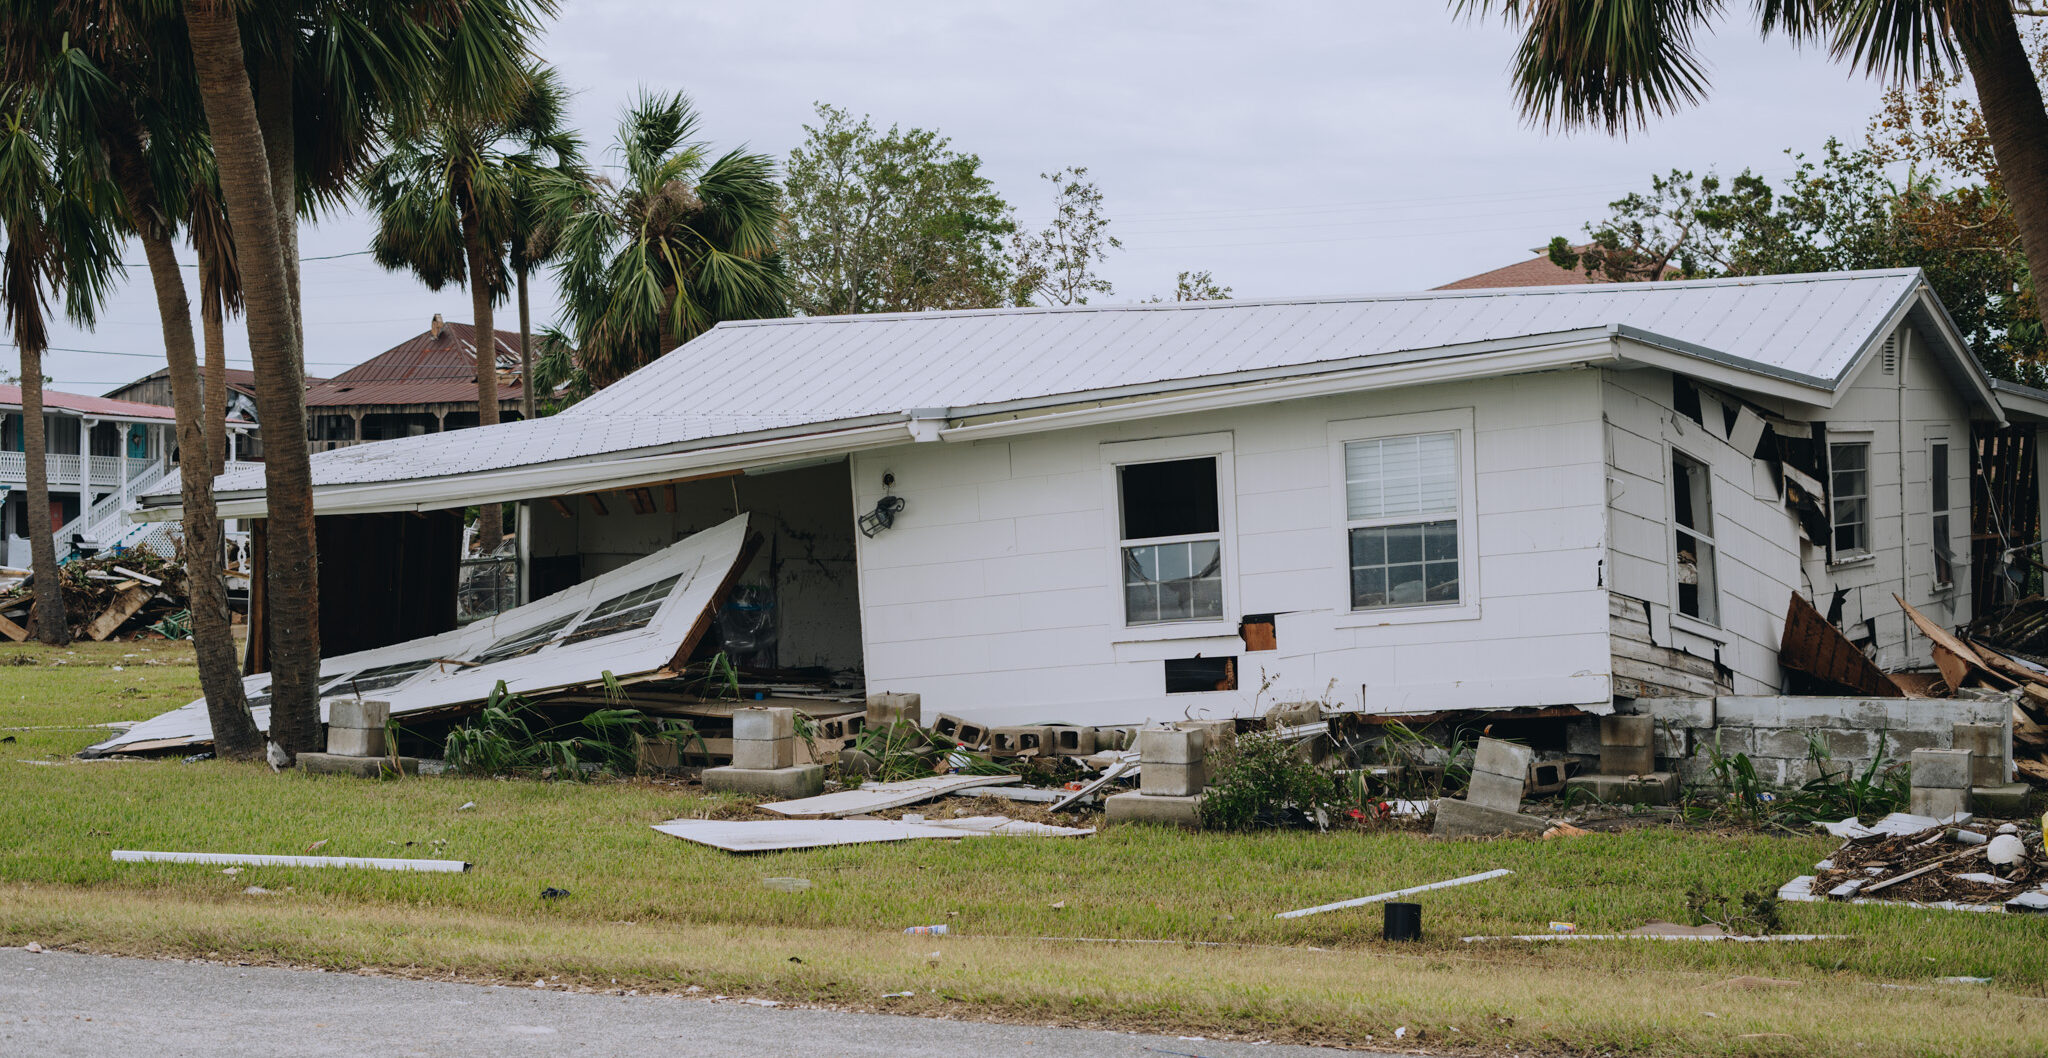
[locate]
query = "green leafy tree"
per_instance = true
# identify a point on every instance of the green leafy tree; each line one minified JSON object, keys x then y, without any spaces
{"x":1057,"y":262}
{"x":890,"y":221}
{"x":1618,"y":63}
{"x":455,"y":196}
{"x":1194,"y":286}
{"x":675,"y":243}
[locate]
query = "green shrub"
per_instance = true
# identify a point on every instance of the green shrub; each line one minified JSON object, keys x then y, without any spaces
{"x":1260,"y":781}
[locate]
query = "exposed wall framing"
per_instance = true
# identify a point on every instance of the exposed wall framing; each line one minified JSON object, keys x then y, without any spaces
{"x":2005,"y":512}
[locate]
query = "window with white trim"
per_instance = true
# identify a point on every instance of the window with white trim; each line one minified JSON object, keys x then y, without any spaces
{"x":1692,"y":533}
{"x":1937,"y":481}
{"x":1171,"y":540}
{"x":1401,"y":498}
{"x":1849,"y":499}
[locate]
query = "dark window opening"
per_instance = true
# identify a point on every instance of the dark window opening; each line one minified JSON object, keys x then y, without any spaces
{"x":1194,"y":675}
{"x":1175,"y":498}
{"x":1685,"y":397}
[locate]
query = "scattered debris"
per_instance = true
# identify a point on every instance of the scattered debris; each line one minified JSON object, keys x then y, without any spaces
{"x":1934,"y":866}
{"x":115,"y":595}
{"x":939,"y":930}
{"x":1565,"y":830}
{"x":787,"y":885}
{"x":552,"y":893}
{"x":34,"y":949}
{"x":880,"y":797}
{"x":776,"y":835}
{"x":1396,"y":894}
{"x":136,"y":856}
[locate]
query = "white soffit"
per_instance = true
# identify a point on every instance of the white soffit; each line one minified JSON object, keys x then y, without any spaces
{"x":630,"y":622}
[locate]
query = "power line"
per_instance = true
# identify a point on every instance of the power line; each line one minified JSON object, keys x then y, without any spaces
{"x":155,"y":356}
{"x":302,"y":260}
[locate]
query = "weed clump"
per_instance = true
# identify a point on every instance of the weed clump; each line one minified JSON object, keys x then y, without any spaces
{"x":1260,"y":781}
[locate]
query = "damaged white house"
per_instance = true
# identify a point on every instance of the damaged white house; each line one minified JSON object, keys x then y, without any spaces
{"x":1529,"y":499}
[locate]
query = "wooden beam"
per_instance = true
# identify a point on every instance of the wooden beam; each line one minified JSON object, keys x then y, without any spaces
{"x":670,"y":488}
{"x":643,"y":501}
{"x":12,"y":631}
{"x":596,"y":503}
{"x":117,"y":612}
{"x":562,"y":507}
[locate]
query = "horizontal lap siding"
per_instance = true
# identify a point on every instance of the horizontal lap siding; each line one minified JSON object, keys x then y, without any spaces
{"x":1003,"y":605}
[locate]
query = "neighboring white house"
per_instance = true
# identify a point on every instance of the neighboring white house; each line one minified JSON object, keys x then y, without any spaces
{"x":1489,"y":499}
{"x":103,"y":454}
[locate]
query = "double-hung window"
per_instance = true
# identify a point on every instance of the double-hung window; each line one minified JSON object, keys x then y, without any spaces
{"x":1849,"y":485}
{"x":1401,"y":497}
{"x":1171,"y":540}
{"x":1692,"y":531}
{"x":1937,"y":481}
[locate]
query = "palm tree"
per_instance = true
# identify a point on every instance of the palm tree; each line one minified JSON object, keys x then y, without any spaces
{"x":454,"y":195}
{"x":1618,"y":63}
{"x":676,"y":244}
{"x":57,"y":241}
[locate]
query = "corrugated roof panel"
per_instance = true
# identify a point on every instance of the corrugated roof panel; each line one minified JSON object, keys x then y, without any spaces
{"x":750,"y":376}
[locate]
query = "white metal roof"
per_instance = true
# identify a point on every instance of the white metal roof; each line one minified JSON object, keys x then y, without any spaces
{"x":759,"y":380}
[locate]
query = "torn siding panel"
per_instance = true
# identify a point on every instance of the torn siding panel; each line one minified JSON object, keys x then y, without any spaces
{"x":1648,"y":664}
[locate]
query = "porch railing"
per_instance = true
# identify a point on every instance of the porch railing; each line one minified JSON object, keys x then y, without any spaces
{"x":63,"y":469}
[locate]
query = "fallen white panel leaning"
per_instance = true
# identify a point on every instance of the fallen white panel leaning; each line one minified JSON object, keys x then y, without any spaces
{"x":233,"y":859}
{"x":880,"y":797}
{"x":775,"y":835}
{"x":630,"y":622}
{"x":1004,"y":826}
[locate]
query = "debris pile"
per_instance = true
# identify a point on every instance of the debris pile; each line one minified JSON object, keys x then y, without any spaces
{"x":124,"y":595}
{"x":1955,"y":864}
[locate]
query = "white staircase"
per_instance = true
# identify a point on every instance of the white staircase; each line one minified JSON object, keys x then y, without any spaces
{"x":107,"y":528}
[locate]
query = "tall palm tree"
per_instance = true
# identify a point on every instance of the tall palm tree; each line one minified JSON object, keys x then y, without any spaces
{"x":1617,"y":63}
{"x":454,"y":195}
{"x":677,"y":243}
{"x":58,"y":241}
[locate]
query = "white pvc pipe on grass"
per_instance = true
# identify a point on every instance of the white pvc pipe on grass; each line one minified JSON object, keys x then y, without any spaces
{"x":1396,"y":894}
{"x":231,"y":859}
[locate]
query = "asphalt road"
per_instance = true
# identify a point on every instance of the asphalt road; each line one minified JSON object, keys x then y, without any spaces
{"x":56,"y":1003}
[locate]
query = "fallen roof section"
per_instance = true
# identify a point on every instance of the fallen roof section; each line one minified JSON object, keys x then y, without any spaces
{"x":880,"y":797}
{"x":638,"y":622}
{"x":777,"y":835}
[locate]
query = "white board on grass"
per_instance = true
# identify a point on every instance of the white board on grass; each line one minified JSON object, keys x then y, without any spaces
{"x":774,"y":835}
{"x":881,"y":796}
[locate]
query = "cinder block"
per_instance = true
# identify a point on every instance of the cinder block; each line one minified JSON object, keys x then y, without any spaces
{"x":1503,"y":758}
{"x":1901,"y":744}
{"x":974,"y":736}
{"x":355,"y":741}
{"x":889,"y":707}
{"x":1016,"y":741}
{"x":1220,"y":732}
{"x":1135,"y":807}
{"x":1938,"y":802}
{"x":1173,"y":780}
{"x":2005,"y":800}
{"x":1582,"y":736}
{"x":359,"y":767}
{"x":803,"y":780}
{"x":1115,"y":738}
{"x":1986,"y":743}
{"x":1627,"y":730}
{"x":1294,"y":714}
{"x":1627,"y":760}
{"x":1547,"y":776}
{"x":1166,"y":745}
{"x":763,"y":754}
{"x":1847,"y":746}
{"x":1502,"y":792}
{"x":1462,"y":819}
{"x":1678,"y":712}
{"x":1652,"y":788}
{"x":763,"y":725}
{"x":362,"y":714}
{"x":1941,"y":769}
{"x":1789,"y":743}
{"x":1073,"y":741}
{"x":842,"y":729}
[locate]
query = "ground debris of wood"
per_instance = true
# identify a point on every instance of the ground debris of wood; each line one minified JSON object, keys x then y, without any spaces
{"x":103,"y":599}
{"x":1901,"y":854}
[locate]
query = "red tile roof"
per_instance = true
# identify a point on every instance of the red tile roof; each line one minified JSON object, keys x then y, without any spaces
{"x":424,"y":369}
{"x":55,"y":400}
{"x":1538,"y":271}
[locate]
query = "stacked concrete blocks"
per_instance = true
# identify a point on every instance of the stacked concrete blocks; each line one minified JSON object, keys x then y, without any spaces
{"x":889,"y":707}
{"x":1493,"y":799}
{"x":355,"y":727}
{"x":1941,"y":782}
{"x":967,"y":733}
{"x":1174,"y":770}
{"x":1628,"y":764}
{"x":1025,"y":741}
{"x":763,"y":758}
{"x":1992,"y":793}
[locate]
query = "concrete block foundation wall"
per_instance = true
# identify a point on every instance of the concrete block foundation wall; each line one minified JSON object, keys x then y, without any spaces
{"x":1774,"y":731}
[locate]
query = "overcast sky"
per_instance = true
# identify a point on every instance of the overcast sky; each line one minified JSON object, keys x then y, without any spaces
{"x":1291,"y":148}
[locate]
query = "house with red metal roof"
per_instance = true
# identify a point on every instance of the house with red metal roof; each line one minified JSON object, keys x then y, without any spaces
{"x":425,"y":384}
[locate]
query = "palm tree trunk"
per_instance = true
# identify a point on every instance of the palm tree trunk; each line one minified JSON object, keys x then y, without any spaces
{"x":213,"y":403}
{"x":2016,"y":120}
{"x":280,"y":144}
{"x":213,"y":638}
{"x":525,"y":342}
{"x":490,"y":520}
{"x":292,"y":572}
{"x":50,"y":624}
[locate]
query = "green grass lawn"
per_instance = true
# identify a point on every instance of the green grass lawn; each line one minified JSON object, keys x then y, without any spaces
{"x":649,"y":912}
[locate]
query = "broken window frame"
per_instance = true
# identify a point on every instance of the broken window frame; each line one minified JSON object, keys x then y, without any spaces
{"x":1838,"y":494}
{"x":1457,"y":517}
{"x":1940,"y":486}
{"x":1212,"y":621}
{"x":1686,"y":524}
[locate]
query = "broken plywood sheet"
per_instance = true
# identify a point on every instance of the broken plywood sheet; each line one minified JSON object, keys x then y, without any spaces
{"x":775,"y":835}
{"x":1955,"y":659}
{"x":880,"y":797}
{"x":629,"y":622}
{"x":1812,"y":646}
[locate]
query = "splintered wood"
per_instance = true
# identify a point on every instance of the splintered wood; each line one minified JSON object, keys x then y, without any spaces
{"x":1818,"y":650}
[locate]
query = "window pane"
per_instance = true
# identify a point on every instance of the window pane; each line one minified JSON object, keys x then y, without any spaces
{"x":1850,"y":456}
{"x":1205,"y":557}
{"x":1392,"y":476}
{"x":1173,"y":562}
{"x":1174,"y":498}
{"x":1418,"y":564}
{"x":1173,"y":582}
{"x":1141,"y":603}
{"x":1938,"y":478}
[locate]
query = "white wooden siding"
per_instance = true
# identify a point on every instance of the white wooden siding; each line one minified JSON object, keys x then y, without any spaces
{"x":992,"y":599}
